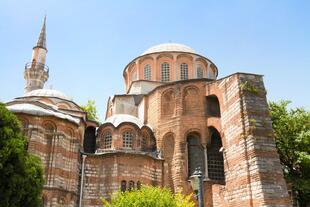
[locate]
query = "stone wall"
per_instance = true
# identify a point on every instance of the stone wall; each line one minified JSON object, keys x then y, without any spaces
{"x":59,"y":153}
{"x":104,"y":174}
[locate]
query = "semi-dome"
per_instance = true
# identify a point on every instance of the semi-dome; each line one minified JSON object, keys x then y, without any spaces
{"x":47,"y":93}
{"x":169,"y":47}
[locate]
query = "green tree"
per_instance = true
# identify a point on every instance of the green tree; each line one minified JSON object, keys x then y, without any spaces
{"x":21,"y":174}
{"x":149,"y":196}
{"x":91,"y":110}
{"x":292,"y":133}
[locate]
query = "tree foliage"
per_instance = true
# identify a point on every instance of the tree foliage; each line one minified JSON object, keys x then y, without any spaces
{"x":21,"y":174}
{"x":149,"y":196}
{"x":91,"y":110}
{"x":292,"y":132}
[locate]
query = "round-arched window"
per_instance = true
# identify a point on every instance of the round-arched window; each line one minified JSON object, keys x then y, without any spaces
{"x":107,"y":137}
{"x":127,"y":139}
{"x":165,"y":74}
{"x":184,"y":71}
{"x":147,"y":72}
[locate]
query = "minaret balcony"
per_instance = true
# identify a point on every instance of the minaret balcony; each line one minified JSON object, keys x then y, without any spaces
{"x":36,"y":66}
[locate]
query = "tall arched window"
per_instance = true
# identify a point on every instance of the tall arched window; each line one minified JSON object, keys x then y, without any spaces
{"x":147,"y":72}
{"x":123,"y":185}
{"x":165,"y":74}
{"x":215,"y":156}
{"x":107,"y":140}
{"x":127,"y":139}
{"x":195,"y":154}
{"x":184,"y":71}
{"x":199,"y":72}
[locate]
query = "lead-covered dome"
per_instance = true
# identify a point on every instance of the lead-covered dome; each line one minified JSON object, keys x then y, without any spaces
{"x":47,"y":93}
{"x":169,"y":47}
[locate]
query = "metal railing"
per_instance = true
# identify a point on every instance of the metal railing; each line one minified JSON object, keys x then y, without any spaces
{"x":36,"y":65}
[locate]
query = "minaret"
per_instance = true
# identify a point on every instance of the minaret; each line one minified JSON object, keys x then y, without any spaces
{"x":36,"y":72}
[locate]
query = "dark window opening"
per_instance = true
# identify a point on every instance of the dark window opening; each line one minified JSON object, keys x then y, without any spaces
{"x":213,"y":106}
{"x":123,"y":186}
{"x":131,"y":185}
{"x":90,"y":140}
{"x":138,"y":185}
{"x":215,"y":156}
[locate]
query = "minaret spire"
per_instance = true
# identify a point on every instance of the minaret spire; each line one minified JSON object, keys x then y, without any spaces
{"x":42,"y":38}
{"x":36,"y":72}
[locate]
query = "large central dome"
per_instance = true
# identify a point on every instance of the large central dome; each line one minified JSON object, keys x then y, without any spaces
{"x":169,"y":47}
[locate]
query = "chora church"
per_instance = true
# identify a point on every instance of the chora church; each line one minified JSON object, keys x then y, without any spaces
{"x":174,"y":116}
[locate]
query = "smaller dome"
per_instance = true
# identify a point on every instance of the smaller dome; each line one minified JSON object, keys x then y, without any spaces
{"x":117,"y":119}
{"x":169,"y":47}
{"x":47,"y":93}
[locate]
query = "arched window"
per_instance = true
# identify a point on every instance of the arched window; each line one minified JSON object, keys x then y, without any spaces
{"x":195,"y":154}
{"x":165,"y":74}
{"x":107,"y":140}
{"x":199,"y":72}
{"x":131,"y":185}
{"x":138,"y":185}
{"x":215,"y":156}
{"x":127,"y":139}
{"x":147,"y":72}
{"x":184,"y":71}
{"x":123,"y":185}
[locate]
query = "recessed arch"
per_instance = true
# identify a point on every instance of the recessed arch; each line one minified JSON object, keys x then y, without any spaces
{"x":168,"y":145}
{"x":168,"y":102}
{"x":191,"y":100}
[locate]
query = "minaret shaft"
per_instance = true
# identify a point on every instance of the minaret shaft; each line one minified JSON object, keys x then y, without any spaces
{"x":36,"y":72}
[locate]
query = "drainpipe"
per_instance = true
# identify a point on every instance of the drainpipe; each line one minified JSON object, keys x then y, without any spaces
{"x":82,"y":180}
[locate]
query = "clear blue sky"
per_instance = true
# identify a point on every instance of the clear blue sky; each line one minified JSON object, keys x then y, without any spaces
{"x":90,"y":42}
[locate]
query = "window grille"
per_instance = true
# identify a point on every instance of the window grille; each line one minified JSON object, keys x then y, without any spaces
{"x":147,"y":72}
{"x":107,"y":140}
{"x":215,"y":157}
{"x":184,"y":71}
{"x":199,"y":72}
{"x":165,"y":75}
{"x":127,"y":139}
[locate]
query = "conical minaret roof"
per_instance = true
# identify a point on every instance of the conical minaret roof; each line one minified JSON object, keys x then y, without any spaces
{"x":42,"y":38}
